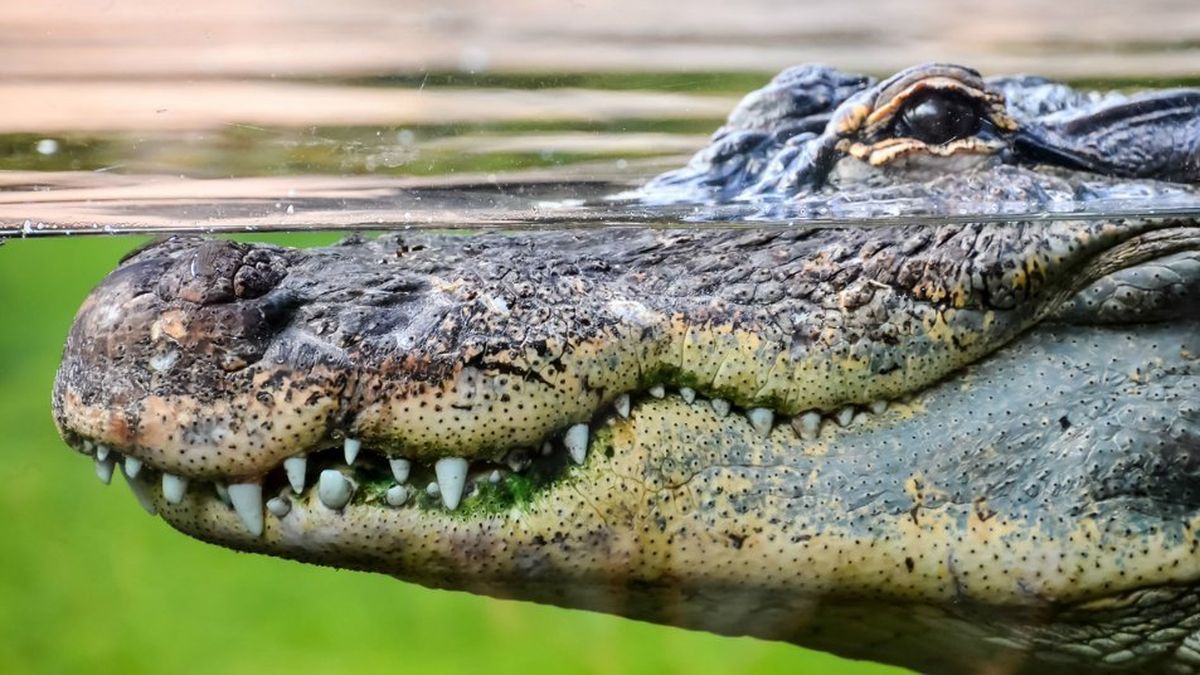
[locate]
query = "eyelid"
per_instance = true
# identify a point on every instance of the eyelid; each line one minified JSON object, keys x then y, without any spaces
{"x":881,"y":120}
{"x":890,"y":150}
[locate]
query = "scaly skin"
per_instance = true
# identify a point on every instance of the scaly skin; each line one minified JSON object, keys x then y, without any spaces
{"x":942,"y":446}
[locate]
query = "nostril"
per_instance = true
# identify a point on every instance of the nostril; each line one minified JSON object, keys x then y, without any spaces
{"x":222,"y":271}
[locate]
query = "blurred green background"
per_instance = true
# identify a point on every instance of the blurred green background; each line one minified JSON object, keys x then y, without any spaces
{"x":89,"y":583}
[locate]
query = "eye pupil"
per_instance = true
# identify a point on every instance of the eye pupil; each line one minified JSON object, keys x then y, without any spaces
{"x":939,"y":118}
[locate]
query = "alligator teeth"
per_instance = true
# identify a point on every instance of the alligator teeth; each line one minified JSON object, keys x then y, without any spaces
{"x":658,"y":391}
{"x":451,"y":479}
{"x":88,"y":447}
{"x":352,"y":446}
{"x":432,"y":489}
{"x":173,"y":488}
{"x":400,"y":469}
{"x":807,"y":425}
{"x":104,"y":470}
{"x":397,"y":495}
{"x":142,"y":494}
{"x":687,"y":394}
{"x":279,"y":506}
{"x":547,"y":449}
{"x":222,"y":493}
{"x":494,"y":477}
{"x":878,"y":407}
{"x":622,"y":404}
{"x":845,"y":416}
{"x":761,"y":419}
{"x":248,"y":503}
{"x":101,"y":452}
{"x":576,"y":440}
{"x":296,"y":468}
{"x":720,"y":406}
{"x":333,"y":489}
{"x":132,"y":466}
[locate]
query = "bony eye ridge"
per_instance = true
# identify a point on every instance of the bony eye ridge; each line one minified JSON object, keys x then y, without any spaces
{"x":939,"y":118}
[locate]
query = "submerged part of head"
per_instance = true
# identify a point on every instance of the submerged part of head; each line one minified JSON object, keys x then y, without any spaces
{"x":746,"y":378}
{"x":852,"y":438}
{"x":992,"y":511}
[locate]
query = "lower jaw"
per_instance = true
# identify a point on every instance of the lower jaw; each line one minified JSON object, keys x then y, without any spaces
{"x":895,"y":630}
{"x":609,"y":522}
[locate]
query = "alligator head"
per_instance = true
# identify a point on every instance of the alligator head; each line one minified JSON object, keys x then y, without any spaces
{"x":933,"y":445}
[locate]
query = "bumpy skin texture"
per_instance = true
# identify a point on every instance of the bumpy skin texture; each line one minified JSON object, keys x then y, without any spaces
{"x":942,"y":446}
{"x":820,"y":140}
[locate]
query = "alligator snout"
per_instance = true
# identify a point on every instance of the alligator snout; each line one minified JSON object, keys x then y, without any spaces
{"x":164,"y":363}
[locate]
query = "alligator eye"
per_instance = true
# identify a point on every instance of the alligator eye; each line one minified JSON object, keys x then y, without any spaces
{"x":940,"y":118}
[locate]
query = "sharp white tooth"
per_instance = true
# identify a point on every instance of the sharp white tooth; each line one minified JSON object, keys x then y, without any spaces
{"x":451,"y":478}
{"x":333,"y":489}
{"x":688,"y":394}
{"x":400,"y":469}
{"x":142,"y":493}
{"x":101,"y":452}
{"x":432,"y":489}
{"x":88,"y":447}
{"x":132,"y":466}
{"x":296,"y":469}
{"x":173,"y":487}
{"x":658,"y":391}
{"x":576,"y":440}
{"x":279,"y":506}
{"x":494,"y":476}
{"x":352,"y":446}
{"x":761,"y":419}
{"x":622,"y":404}
{"x":397,"y":495}
{"x":845,"y":416}
{"x":721,"y":407}
{"x":807,"y":425}
{"x":104,"y":470}
{"x":222,"y":493}
{"x":878,"y":407}
{"x":248,"y":502}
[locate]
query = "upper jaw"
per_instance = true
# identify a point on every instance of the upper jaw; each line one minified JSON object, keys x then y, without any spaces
{"x":147,"y":376}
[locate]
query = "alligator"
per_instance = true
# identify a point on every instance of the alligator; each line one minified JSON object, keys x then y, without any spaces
{"x":963,"y":445}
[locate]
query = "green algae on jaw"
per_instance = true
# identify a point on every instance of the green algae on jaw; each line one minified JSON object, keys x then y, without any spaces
{"x":513,"y":490}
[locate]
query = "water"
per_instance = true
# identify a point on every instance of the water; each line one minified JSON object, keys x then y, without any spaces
{"x":217,"y":117}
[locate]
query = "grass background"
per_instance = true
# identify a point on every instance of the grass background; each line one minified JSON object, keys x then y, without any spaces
{"x":89,"y":583}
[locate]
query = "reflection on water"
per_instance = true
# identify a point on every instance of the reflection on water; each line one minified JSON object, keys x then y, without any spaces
{"x":212,"y":116}
{"x":490,"y":157}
